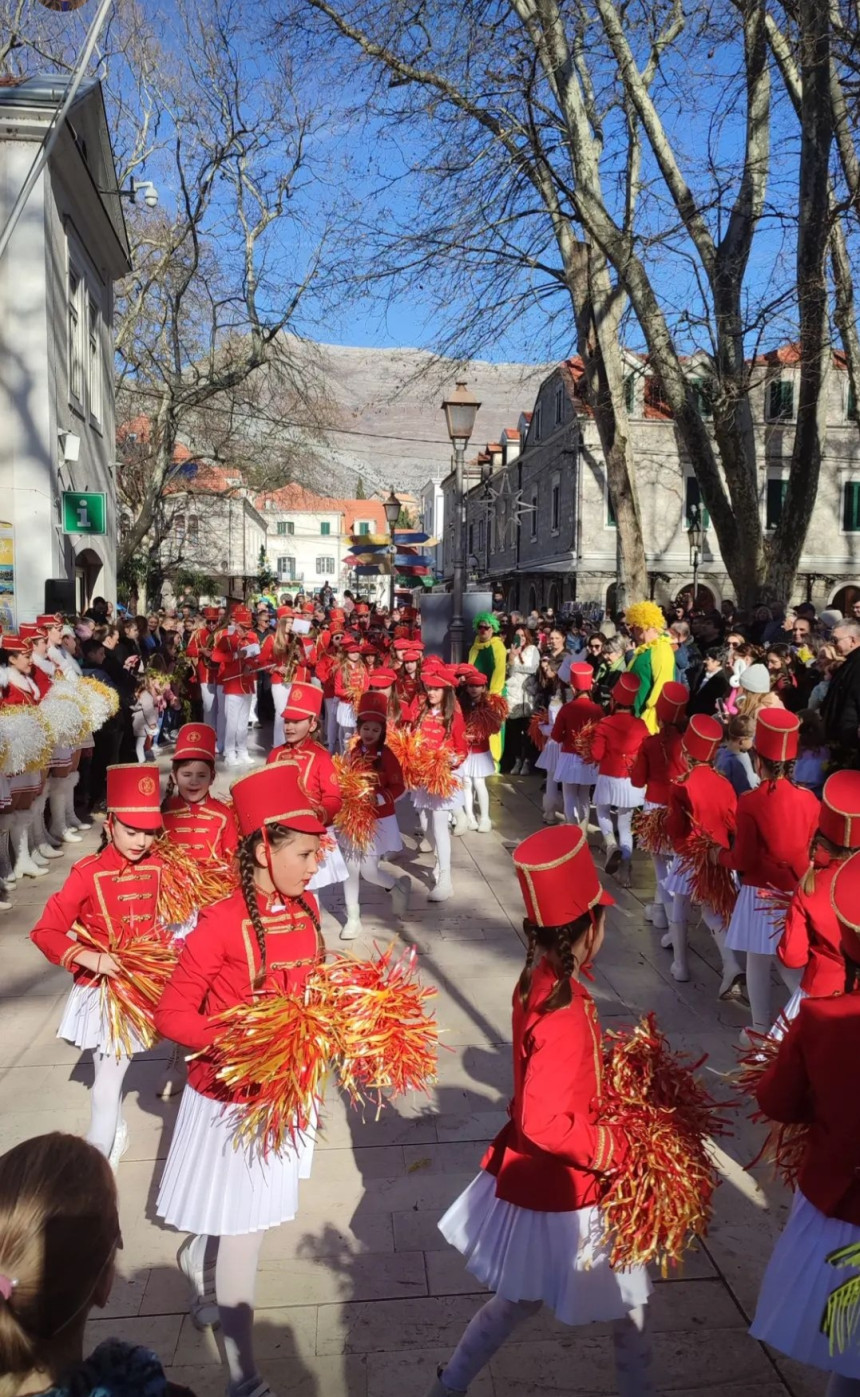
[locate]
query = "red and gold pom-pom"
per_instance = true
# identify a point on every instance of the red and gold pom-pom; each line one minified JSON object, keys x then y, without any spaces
{"x":432,"y":771}
{"x":775,"y":903}
{"x":387,"y":1041}
{"x":146,"y":963}
{"x":499,"y":705}
{"x":355,"y":688}
{"x":484,"y":721}
{"x":356,"y":819}
{"x":710,"y":883}
{"x":785,"y":1144}
{"x":403,"y":742}
{"x":188,"y":885}
{"x":649,"y":826}
{"x":539,"y":719}
{"x":582,"y":740}
{"x":274,"y":1054}
{"x":660,"y":1197}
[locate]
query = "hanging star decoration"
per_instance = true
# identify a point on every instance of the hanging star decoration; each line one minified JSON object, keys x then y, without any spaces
{"x":514,"y":508}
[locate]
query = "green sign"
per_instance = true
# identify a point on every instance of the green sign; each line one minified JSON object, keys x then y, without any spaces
{"x":84,"y":514}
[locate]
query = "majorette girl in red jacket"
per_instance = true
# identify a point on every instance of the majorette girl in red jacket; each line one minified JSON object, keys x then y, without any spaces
{"x":576,"y":774}
{"x":441,"y":729}
{"x":264,"y":940}
{"x":529,"y":1224}
{"x":484,"y":716}
{"x":368,"y":755}
{"x":659,"y":760}
{"x":614,"y":749}
{"x":316,"y":772}
{"x":351,"y":680}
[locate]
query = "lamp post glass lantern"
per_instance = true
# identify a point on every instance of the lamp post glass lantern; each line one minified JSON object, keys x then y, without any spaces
{"x":460,"y":409}
{"x":695,"y":538}
{"x":392,"y":507}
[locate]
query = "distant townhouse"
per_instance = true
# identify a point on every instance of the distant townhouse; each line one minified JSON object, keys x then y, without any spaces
{"x":308,"y":538}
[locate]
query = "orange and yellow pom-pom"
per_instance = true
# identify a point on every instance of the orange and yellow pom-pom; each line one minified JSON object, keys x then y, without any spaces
{"x":710,"y":883}
{"x":582,"y":740}
{"x":432,"y":771}
{"x":484,"y":721}
{"x":356,"y":819}
{"x":649,"y":826}
{"x":403,"y":742}
{"x":785,"y":1144}
{"x":129,"y":999}
{"x":661,"y":1195}
{"x":188,"y":885}
{"x":539,"y":719}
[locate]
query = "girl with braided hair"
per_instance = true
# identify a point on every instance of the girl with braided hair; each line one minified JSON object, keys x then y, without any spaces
{"x":530,"y":1225}
{"x":264,"y":939}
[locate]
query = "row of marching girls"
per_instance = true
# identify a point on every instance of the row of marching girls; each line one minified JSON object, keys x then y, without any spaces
{"x":47,"y":717}
{"x":254,"y":961}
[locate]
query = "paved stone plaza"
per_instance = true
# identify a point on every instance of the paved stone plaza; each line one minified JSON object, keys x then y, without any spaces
{"x":360,"y":1297}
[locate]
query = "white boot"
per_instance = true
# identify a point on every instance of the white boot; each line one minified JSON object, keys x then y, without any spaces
{"x":119,"y":1146}
{"x":732,"y":981}
{"x":680,"y":967}
{"x":470,"y":821}
{"x":44,"y":844}
{"x":525,"y":769}
{"x":666,"y":941}
{"x":352,"y":926}
{"x":400,"y":895}
{"x":484,"y":825}
{"x":613,"y":857}
{"x":516,"y":768}
{"x":461,"y":821}
{"x":24,"y":865}
{"x":57,"y":802}
{"x":72,"y":820}
{"x":443,"y":889}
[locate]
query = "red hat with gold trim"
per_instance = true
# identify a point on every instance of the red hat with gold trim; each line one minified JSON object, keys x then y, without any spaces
{"x":839,"y":816}
{"x":581,"y":678}
{"x":777,"y":734}
{"x":845,"y":901}
{"x":15,"y":644}
{"x":305,"y":701}
{"x":337,"y":614}
{"x":702,"y":738}
{"x":383,"y":678}
{"x":361,"y":608}
{"x":308,"y":608}
{"x":625,"y":689}
{"x":211,"y":613}
{"x":241,"y":616}
{"x":366,"y":648}
{"x":672,"y":702}
{"x":373,"y":706}
{"x":274,"y":796}
{"x":475,"y":678}
{"x":412,"y":655}
{"x":283,"y":611}
{"x":557,"y":876}
{"x":195,"y":742}
{"x":134,"y":796}
{"x":49,"y":618}
{"x":31,"y":630}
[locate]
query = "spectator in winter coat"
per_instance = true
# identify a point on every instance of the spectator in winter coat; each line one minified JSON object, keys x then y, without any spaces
{"x":841,"y":707}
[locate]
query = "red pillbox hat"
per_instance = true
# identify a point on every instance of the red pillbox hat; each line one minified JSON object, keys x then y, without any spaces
{"x":372,"y":705}
{"x":283,"y":611}
{"x":557,"y":876}
{"x":241,"y":616}
{"x":30,"y":630}
{"x":211,"y":613}
{"x":195,"y":742}
{"x":475,"y":677}
{"x":702,"y":738}
{"x":582,"y":678}
{"x":625,"y":689}
{"x":15,"y":644}
{"x":49,"y":618}
{"x":839,"y":818}
{"x":382,"y":678}
{"x":134,"y":796}
{"x":305,"y":701}
{"x":777,"y":734}
{"x":672,"y":702}
{"x":845,"y":901}
{"x":274,"y":795}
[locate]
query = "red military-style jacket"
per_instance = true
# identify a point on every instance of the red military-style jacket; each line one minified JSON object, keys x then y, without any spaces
{"x":701,"y":802}
{"x":324,"y":672}
{"x":21,"y":689}
{"x":316,"y":773}
{"x":811,"y":938}
{"x":813,"y":1082}
{"x":552,"y":1155}
{"x":349,"y":680}
{"x":107,"y":894}
{"x":408,"y":691}
{"x":43,"y":674}
{"x":207,"y":829}
{"x":237,"y":673}
{"x":289,"y":668}
{"x":659,"y":761}
{"x":775,"y":826}
{"x":572,"y":718}
{"x":389,"y":776}
{"x":199,"y":648}
{"x":432,"y":730}
{"x":217,"y":967}
{"x":616,"y":742}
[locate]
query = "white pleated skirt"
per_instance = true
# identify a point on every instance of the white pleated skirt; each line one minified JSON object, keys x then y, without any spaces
{"x":618,"y":791}
{"x":753,"y":925}
{"x":787,"y":1015}
{"x":677,"y":880}
{"x":387,"y":841}
{"x":212,"y":1187}
{"x":548,"y":758}
{"x":86,"y":1025}
{"x":478,"y":764}
{"x":796,"y":1286}
{"x":331,"y":870}
{"x":345,"y":714}
{"x":25,"y":781}
{"x":571,"y":768}
{"x":559,"y":1258}
{"x":422,"y":800}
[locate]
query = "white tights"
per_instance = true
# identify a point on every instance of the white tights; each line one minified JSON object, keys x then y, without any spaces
{"x":439,"y":832}
{"x":758,"y":987}
{"x":476,"y":786}
{"x":367,"y":868}
{"x":106,"y":1099}
{"x":229,"y":1265}
{"x":577,"y":802}
{"x":497,"y":1320}
{"x":624,"y":820}
{"x":552,"y":796}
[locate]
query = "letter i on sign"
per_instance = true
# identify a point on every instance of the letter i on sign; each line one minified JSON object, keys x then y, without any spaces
{"x":83,"y":516}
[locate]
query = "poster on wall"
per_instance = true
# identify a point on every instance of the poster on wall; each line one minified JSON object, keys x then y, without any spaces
{"x":8,"y":609}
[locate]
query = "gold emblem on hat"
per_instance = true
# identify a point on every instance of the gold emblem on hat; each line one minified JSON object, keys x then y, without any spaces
{"x":146,"y":786}
{"x":193,"y":737}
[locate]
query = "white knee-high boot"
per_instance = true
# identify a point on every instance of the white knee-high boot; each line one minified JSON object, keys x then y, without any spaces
{"x":24,"y":865}
{"x":469,"y":807}
{"x":758,"y":989}
{"x":678,"y":932}
{"x":442,"y":842}
{"x":57,"y":796}
{"x":72,"y":821}
{"x":485,"y":824}
{"x":732,"y":969}
{"x":44,"y":843}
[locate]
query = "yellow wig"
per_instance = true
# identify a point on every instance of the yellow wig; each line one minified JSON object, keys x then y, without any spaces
{"x":645,"y":615}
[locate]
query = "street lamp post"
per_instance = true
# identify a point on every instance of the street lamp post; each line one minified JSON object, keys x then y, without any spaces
{"x":695,"y":538}
{"x":392,"y":507}
{"x":460,"y":410}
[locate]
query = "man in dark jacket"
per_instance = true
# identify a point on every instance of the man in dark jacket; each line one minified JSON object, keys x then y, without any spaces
{"x":841,"y":707}
{"x":713,"y":686}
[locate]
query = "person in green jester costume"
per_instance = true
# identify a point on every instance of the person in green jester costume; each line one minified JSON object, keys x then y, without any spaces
{"x":653,"y":660}
{"x":488,"y":654}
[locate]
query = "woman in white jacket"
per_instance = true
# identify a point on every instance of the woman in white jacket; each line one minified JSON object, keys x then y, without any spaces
{"x":520,"y":689}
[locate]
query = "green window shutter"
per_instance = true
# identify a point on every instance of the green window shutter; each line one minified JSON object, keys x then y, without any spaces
{"x":851,"y":507}
{"x":611,"y":520}
{"x":325,"y":529}
{"x":781,"y":401}
{"x":703,"y":401}
{"x":774,"y":500}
